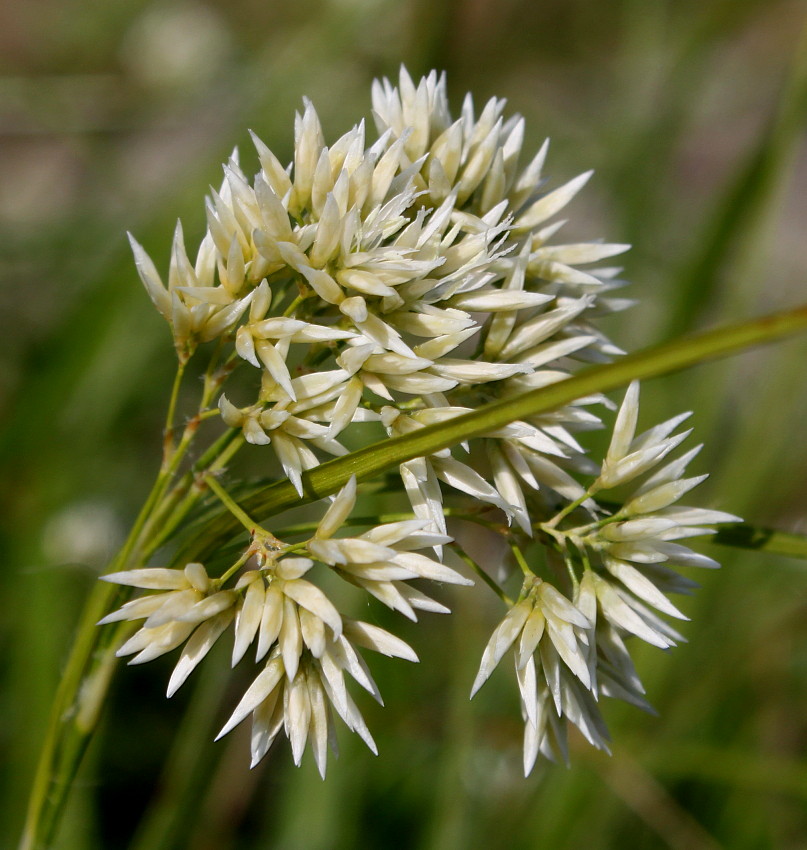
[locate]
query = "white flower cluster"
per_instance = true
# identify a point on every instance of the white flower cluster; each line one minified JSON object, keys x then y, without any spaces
{"x":569,"y":652}
{"x":408,"y":281}
{"x":309,"y":644}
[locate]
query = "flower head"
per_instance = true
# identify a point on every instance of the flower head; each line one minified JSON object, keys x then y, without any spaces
{"x":405,"y":281}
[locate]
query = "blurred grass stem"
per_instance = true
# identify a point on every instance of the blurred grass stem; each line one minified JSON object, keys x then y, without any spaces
{"x":85,"y":681}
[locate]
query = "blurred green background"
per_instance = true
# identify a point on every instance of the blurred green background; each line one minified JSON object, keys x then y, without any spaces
{"x":114,"y":116}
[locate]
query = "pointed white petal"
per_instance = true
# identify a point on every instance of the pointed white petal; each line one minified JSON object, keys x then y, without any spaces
{"x":271,"y":620}
{"x":151,"y":578}
{"x":290,"y":639}
{"x":309,"y":596}
{"x":379,"y":640}
{"x":339,"y":510}
{"x":265,"y":682}
{"x":249,"y":619}
{"x":500,"y":641}
{"x":199,"y":644}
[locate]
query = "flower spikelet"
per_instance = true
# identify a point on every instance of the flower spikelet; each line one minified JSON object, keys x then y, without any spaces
{"x":384,"y":559}
{"x":187,"y":607}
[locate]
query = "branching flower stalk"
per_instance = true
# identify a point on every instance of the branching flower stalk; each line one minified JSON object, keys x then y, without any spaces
{"x":415,"y":282}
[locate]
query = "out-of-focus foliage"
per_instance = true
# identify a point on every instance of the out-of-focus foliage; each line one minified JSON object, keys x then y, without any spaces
{"x":114,"y":117}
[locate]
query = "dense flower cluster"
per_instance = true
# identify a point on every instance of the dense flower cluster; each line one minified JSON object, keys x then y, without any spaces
{"x":310,"y":645}
{"x":406,"y":282}
{"x":569,"y":651}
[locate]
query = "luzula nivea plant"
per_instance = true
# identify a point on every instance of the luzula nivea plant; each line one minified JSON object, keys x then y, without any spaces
{"x":417,"y":283}
{"x":408,"y":282}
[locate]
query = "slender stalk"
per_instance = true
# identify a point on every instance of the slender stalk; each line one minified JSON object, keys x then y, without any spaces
{"x":231,"y":505}
{"x":75,"y":710}
{"x":61,"y":750}
{"x":188,"y":490}
{"x":576,"y":543}
{"x":295,"y":303}
{"x":521,"y":561}
{"x":562,"y":514}
{"x":372,"y":460}
{"x":172,"y":402}
{"x":744,"y":536}
{"x":263,"y":541}
{"x":216,"y":450}
{"x":489,"y":581}
{"x":235,"y":567}
{"x":209,"y":414}
{"x":197,"y":489}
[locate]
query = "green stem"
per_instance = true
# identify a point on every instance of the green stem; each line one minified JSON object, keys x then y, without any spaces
{"x":172,"y":403}
{"x":562,"y":514}
{"x":262,"y":539}
{"x":76,"y":706}
{"x":209,"y":414}
{"x":217,"y":450}
{"x":295,"y":303}
{"x":85,"y":681}
{"x":490,"y":582}
{"x":231,"y":505}
{"x":372,"y":460}
{"x":743,"y":536}
{"x":583,"y":530}
{"x":231,"y":441}
{"x":371,"y":520}
{"x":236,"y":567}
{"x":583,"y":553}
{"x":521,"y":561}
